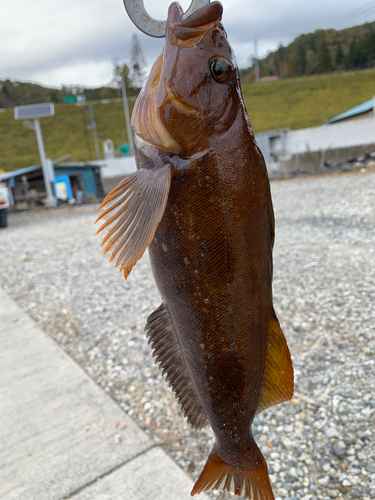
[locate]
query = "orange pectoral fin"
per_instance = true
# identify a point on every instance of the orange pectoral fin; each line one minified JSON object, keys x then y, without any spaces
{"x":278,"y":382}
{"x":131,"y":215}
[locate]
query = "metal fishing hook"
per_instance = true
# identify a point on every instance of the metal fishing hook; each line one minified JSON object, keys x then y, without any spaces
{"x":150,"y":26}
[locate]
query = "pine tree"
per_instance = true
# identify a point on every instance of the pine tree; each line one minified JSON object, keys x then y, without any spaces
{"x":339,"y":59}
{"x":281,"y":61}
{"x":138,"y":62}
{"x":369,"y":45}
{"x":356,"y":56}
{"x":121,"y":71}
{"x":301,"y":60}
{"x":324,"y":57}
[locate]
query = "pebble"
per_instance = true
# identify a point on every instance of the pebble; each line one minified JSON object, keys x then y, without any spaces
{"x":320,"y":444}
{"x":323,"y":480}
{"x":330,"y":432}
{"x":339,"y":451}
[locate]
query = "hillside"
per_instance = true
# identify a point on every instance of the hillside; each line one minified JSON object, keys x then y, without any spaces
{"x":306,"y":101}
{"x":64,"y":133}
{"x":294,"y":102}
{"x":323,"y":51}
{"x":13,"y":93}
{"x":320,"y":52}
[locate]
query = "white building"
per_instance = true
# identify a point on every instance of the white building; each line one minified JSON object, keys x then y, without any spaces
{"x":348,"y":135}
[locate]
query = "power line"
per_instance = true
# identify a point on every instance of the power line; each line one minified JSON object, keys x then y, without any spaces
{"x":360,"y":11}
{"x":370,"y":6}
{"x":358,"y":19}
{"x":355,"y":11}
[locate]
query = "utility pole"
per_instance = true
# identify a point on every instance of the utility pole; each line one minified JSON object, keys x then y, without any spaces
{"x":84,"y":113}
{"x":256,"y":60}
{"x":115,"y":62}
{"x":92,"y":127}
{"x":118,"y":79}
{"x":51,"y":201}
{"x":127,"y":115}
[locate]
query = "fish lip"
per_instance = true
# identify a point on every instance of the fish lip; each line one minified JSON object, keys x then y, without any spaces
{"x":212,"y":10}
{"x":171,"y":94}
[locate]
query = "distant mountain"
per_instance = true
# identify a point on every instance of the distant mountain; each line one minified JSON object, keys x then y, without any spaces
{"x":323,"y":51}
{"x":320,"y":52}
{"x":14,"y":93}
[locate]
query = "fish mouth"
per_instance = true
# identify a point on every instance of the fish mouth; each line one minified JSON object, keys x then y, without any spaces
{"x":211,"y":12}
{"x":196,"y":25}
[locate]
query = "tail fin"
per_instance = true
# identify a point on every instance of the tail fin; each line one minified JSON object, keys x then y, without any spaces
{"x":249,"y":481}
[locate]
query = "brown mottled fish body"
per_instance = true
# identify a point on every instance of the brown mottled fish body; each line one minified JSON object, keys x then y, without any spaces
{"x":208,"y":260}
{"x":218,"y":303}
{"x":215,"y":335}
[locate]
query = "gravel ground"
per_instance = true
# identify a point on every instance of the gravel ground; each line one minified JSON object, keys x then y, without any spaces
{"x":318,"y":446}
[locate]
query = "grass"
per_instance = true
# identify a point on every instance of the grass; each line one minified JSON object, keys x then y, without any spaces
{"x":295,"y":103}
{"x":64,"y":133}
{"x":307,"y":101}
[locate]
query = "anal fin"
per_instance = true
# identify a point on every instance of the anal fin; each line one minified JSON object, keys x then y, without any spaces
{"x":278,"y":382}
{"x":167,"y":352}
{"x":131,"y":214}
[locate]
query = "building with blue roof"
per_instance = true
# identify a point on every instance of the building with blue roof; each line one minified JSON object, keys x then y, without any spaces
{"x":342,"y":139}
{"x":72,"y":180}
{"x":358,"y":112}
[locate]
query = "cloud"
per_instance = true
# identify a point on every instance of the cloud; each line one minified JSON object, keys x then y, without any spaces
{"x":72,"y":42}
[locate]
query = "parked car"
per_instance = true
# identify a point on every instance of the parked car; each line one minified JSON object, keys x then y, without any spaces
{"x":4,"y":205}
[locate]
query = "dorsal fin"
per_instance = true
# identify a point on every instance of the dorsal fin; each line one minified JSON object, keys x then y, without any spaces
{"x":278,"y":382}
{"x":167,"y":352}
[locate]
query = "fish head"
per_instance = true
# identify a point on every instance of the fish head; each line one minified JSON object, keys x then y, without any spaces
{"x":193,"y":90}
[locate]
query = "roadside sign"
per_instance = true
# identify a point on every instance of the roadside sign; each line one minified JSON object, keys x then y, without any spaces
{"x":34,"y":111}
{"x":37,"y":111}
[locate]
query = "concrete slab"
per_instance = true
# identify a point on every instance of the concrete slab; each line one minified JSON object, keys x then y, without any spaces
{"x":151,"y":476}
{"x":58,"y":430}
{"x":61,"y":435}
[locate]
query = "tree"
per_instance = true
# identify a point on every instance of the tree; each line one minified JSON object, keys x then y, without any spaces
{"x":122,"y":71}
{"x":369,"y":45}
{"x":324,"y":57}
{"x":356,"y":56}
{"x":137,"y":62}
{"x":301,"y":60}
{"x":339,"y":59}
{"x":280,"y":57}
{"x":54,"y":96}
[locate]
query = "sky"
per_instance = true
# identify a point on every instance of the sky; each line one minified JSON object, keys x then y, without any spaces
{"x":73,"y":42}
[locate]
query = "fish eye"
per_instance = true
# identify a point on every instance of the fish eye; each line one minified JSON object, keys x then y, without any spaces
{"x":221,"y":70}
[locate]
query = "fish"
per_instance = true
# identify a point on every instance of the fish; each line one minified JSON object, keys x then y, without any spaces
{"x":200,"y":201}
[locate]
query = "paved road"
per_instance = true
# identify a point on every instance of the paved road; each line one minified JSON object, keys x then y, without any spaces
{"x":61,"y":435}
